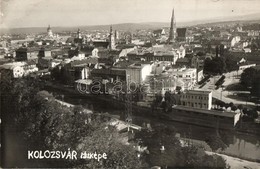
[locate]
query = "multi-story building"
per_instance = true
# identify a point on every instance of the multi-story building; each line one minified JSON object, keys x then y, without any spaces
{"x":197,"y":62}
{"x":197,"y":99}
{"x":137,"y":73}
{"x":18,"y":69}
{"x":187,"y":75}
{"x":25,"y":54}
{"x":157,"y":53}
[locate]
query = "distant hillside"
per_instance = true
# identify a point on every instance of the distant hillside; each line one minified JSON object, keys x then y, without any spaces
{"x":123,"y":26}
{"x":254,"y":18}
{"x":251,"y":18}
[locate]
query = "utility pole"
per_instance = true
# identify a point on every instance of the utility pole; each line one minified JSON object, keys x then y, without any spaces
{"x":128,"y":104}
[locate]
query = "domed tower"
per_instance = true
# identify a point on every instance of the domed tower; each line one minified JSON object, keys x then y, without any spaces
{"x":79,"y":34}
{"x":49,"y":31}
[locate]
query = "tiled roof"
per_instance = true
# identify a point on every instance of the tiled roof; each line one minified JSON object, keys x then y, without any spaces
{"x":84,"y":61}
{"x":181,"y":32}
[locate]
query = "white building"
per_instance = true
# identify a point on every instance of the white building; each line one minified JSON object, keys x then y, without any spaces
{"x":235,"y":40}
{"x":18,"y":69}
{"x":187,"y":75}
{"x":137,"y":73}
{"x":197,"y":99}
{"x":124,"y":52}
{"x":80,"y":56}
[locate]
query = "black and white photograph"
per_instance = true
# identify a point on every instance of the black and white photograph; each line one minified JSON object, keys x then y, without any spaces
{"x":130,"y":84}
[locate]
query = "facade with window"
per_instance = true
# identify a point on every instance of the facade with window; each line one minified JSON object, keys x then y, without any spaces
{"x":197,"y":99}
{"x":187,"y":75}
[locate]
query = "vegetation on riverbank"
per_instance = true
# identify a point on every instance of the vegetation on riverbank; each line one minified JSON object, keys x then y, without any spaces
{"x":45,"y":124}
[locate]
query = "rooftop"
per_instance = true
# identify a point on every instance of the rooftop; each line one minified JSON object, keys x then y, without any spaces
{"x":12,"y":65}
{"x":198,"y":92}
{"x":204,"y":111}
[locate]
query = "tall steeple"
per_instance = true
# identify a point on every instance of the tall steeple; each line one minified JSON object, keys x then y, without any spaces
{"x":111,"y":39}
{"x":172,"y":34}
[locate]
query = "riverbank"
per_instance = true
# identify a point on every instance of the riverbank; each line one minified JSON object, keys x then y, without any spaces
{"x":233,"y":162}
{"x":237,"y":163}
{"x":142,"y":110}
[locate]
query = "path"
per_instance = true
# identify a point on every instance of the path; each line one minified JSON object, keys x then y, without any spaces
{"x":236,"y":163}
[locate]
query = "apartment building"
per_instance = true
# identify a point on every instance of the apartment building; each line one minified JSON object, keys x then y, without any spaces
{"x":197,"y":99}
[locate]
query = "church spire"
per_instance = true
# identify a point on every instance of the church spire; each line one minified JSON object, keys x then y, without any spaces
{"x":172,"y":34}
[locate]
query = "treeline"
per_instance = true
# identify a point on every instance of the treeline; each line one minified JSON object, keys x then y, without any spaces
{"x":46,"y":125}
{"x":250,"y":78}
{"x":220,"y":65}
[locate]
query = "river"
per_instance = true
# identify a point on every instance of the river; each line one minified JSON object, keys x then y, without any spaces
{"x":242,"y":145}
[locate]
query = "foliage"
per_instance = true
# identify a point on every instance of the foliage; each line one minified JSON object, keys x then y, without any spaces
{"x":234,"y":108}
{"x":175,"y":154}
{"x":220,"y":103}
{"x":46,"y":124}
{"x":255,"y":90}
{"x":55,"y":73}
{"x":231,"y":64}
{"x":248,"y":76}
{"x":216,"y":65}
{"x":240,"y":107}
{"x":66,"y":77}
{"x":251,"y":113}
{"x":63,"y":75}
{"x":107,"y":140}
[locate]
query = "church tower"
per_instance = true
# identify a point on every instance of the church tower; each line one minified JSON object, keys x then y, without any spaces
{"x":172,"y":34}
{"x":79,"y":34}
{"x":49,"y":31}
{"x":111,"y":39}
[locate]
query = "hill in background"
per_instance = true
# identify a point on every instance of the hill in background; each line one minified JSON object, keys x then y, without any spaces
{"x":254,"y":18}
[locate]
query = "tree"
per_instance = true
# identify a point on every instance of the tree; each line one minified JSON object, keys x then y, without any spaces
{"x":173,"y":154}
{"x":200,"y":53}
{"x":234,"y":108}
{"x":248,"y":76}
{"x":231,"y":104}
{"x":240,"y":107}
{"x":231,"y":64}
{"x":227,"y":105}
{"x":220,"y":103}
{"x":217,"y":50}
{"x":55,"y":73}
{"x":106,"y":139}
{"x":252,"y":114}
{"x":66,"y":77}
{"x":169,"y":101}
{"x":255,"y":90}
{"x":216,"y":65}
{"x":221,"y":50}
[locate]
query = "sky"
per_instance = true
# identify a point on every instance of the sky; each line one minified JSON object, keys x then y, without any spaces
{"x":41,"y":13}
